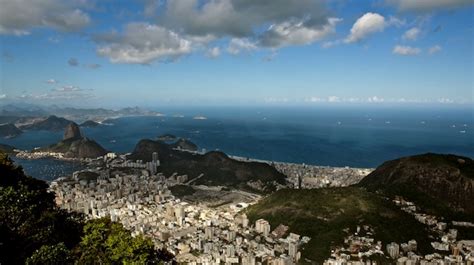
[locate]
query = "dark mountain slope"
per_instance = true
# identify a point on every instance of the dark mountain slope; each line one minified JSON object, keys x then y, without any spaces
{"x":9,"y":130}
{"x":52,"y":123}
{"x":437,"y":182}
{"x":218,"y":168}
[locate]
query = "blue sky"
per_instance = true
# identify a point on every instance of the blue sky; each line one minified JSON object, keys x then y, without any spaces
{"x":302,"y":52}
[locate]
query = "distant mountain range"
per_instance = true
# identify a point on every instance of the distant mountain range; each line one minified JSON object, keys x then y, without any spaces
{"x":14,"y":113}
{"x":51,"y":123}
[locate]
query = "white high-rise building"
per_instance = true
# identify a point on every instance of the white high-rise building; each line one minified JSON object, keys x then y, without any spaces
{"x":262,"y":226}
{"x":393,"y":249}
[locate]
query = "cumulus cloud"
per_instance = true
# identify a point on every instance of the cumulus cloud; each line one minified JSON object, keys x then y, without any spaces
{"x":142,"y":43}
{"x":366,"y":25}
{"x":19,"y":17}
{"x":375,"y":99}
{"x":70,"y":88}
{"x":406,"y":50}
{"x":411,"y":34}
{"x":237,"y":45}
{"x":51,"y":81}
{"x":213,"y":52}
{"x":55,"y":96}
{"x":297,"y":32}
{"x":428,"y":5}
{"x":195,"y":25}
{"x":238,"y":18}
{"x":73,"y":62}
{"x":434,"y":49}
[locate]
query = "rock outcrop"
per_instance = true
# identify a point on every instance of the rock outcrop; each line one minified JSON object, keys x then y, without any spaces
{"x":74,"y":145}
{"x":72,"y":131}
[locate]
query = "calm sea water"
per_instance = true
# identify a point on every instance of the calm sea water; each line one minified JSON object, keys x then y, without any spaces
{"x":336,"y":136}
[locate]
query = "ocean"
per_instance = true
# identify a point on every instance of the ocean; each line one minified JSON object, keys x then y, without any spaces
{"x":354,"y":136}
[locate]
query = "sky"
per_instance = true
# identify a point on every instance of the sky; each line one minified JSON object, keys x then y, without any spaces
{"x":264,"y":52}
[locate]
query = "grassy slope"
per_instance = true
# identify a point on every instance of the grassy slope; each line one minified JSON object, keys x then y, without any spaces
{"x":322,"y":214}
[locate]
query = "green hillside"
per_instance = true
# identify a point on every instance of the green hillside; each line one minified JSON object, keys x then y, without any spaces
{"x":322,"y":214}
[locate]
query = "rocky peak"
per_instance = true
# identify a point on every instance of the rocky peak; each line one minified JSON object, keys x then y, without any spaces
{"x":72,"y":131}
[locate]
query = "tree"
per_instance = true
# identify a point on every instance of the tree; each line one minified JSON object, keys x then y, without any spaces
{"x":51,"y":255}
{"x":106,"y":242}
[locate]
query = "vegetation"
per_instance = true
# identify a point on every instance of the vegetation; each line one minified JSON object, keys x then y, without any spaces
{"x":107,"y":242}
{"x":34,"y":231}
{"x":217,"y":168}
{"x":182,"y":190}
{"x":323,"y":214}
{"x":439,"y":184}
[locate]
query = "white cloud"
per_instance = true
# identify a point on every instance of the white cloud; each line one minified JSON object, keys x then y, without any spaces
{"x":51,"y":81}
{"x":333,"y":99}
{"x":68,"y":88}
{"x":411,"y":34}
{"x":445,"y":101}
{"x":397,"y":22}
{"x":294,"y":32}
{"x":142,"y":43}
{"x":276,"y":100}
{"x":366,"y":25}
{"x":19,"y":17}
{"x":329,"y":44}
{"x":434,"y":49}
{"x":375,"y":99}
{"x":238,"y":18}
{"x":314,"y":99}
{"x":213,"y":52}
{"x":183,"y":27}
{"x":428,"y":5}
{"x":3,"y":96}
{"x":237,"y":45}
{"x":406,"y":50}
{"x":55,"y":96}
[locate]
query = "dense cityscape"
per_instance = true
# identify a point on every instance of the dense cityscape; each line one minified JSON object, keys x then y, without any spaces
{"x":254,"y":132}
{"x":138,"y":196}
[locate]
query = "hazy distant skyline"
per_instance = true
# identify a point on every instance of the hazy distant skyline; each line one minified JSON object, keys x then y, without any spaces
{"x":147,"y":52}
